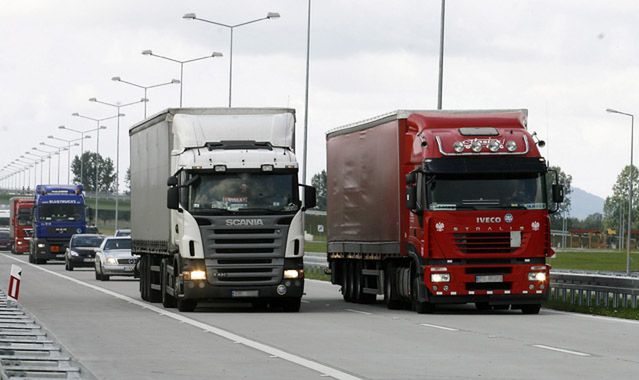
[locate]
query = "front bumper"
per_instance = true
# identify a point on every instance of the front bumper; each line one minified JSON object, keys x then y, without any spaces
{"x":80,"y":261}
{"x":21,"y":246}
{"x":119,"y":269}
{"x":202,"y":290}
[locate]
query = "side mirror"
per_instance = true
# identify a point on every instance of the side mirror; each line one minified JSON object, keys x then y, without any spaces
{"x":557,"y":193}
{"x":172,"y":181}
{"x":310,"y":197}
{"x":411,"y":197}
{"x":173,"y":198}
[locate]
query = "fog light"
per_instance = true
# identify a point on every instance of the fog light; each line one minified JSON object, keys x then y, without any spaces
{"x":292,"y":273}
{"x":281,"y":290}
{"x":458,"y":146}
{"x":198,"y":275}
{"x":476,"y":146}
{"x":435,"y":287}
{"x":219,"y":168}
{"x":511,"y":146}
{"x":531,"y":286}
{"x":440,"y":277}
{"x":267,"y":168}
{"x":494,"y":145}
{"x":445,"y":288}
{"x":537,"y":276}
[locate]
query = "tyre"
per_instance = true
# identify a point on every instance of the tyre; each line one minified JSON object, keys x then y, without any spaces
{"x":364,"y":298}
{"x":105,"y":277}
{"x":292,"y":305}
{"x":420,"y":307}
{"x":31,"y":260}
{"x":530,"y":309}
{"x":168,"y":301}
{"x":391,"y":299}
{"x":97,"y":275}
{"x":186,"y":305}
{"x":347,"y":291}
{"x":482,"y":306}
{"x":356,"y":281}
{"x":68,"y":265}
{"x":143,"y":278}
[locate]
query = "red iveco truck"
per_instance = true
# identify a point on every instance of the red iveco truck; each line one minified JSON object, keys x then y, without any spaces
{"x":21,"y":209}
{"x":437,"y":207}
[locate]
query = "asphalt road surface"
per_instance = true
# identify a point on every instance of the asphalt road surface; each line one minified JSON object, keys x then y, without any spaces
{"x":115,"y":335}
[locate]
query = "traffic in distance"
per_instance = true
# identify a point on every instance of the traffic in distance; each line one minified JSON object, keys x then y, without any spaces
{"x":424,"y":208}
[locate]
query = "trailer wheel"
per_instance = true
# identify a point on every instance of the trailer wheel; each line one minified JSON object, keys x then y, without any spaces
{"x":347,"y":292}
{"x":143,"y":278}
{"x":168,"y":301}
{"x":530,"y":309}
{"x":391,"y":299}
{"x":364,"y":298}
{"x":356,"y":281}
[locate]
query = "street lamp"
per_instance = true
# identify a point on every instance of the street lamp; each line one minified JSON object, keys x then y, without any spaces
{"x":214,"y":54}
{"x":118,"y":79}
{"x":35,"y":168}
{"x":308,"y":50}
{"x":440,"y":83}
{"x":269,"y":15}
{"x":41,"y":162}
{"x":69,"y":151}
{"x":50,"y":153}
{"x":60,"y":149}
{"x":97,"y":152}
{"x":630,"y":184}
{"x":117,"y":106}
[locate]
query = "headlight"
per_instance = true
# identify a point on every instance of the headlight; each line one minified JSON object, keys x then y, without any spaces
{"x":111,"y":260}
{"x":73,"y":253}
{"x":40,"y":245}
{"x":19,"y":242}
{"x":198,"y":275}
{"x":293,"y":273}
{"x":79,"y":230}
{"x":511,"y":146}
{"x":537,"y":276}
{"x":440,"y":277}
{"x":458,"y":146}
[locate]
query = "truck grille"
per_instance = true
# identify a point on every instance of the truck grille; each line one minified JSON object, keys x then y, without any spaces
{"x":61,"y":230}
{"x":244,"y":256}
{"x":485,"y":242}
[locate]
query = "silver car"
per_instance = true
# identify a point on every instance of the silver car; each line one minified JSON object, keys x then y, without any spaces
{"x":114,"y":258}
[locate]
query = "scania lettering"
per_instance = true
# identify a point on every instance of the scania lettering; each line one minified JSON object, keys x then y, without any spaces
{"x":437,"y":207}
{"x":58,"y":213}
{"x":216,"y":211}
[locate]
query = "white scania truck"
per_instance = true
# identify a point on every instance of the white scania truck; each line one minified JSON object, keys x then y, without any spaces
{"x":216,"y":211}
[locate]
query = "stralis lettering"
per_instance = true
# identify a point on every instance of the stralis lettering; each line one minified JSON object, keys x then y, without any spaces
{"x":488,"y":219}
{"x":244,"y":222}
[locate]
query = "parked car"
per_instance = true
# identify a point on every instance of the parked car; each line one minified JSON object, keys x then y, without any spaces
{"x":114,"y":258}
{"x":5,"y":240}
{"x":123,"y":232}
{"x":81,"y":250}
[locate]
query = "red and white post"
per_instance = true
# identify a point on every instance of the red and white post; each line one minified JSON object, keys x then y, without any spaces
{"x":14,"y":283}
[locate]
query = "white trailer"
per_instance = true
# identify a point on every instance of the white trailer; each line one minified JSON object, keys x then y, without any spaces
{"x":216,"y":211}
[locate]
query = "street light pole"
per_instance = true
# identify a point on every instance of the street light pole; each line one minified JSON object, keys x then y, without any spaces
{"x":440,"y":84}
{"x":69,"y":152}
{"x":269,"y":15}
{"x":149,"y":52}
{"x":41,"y":163}
{"x":97,"y":154}
{"x":145,"y":88}
{"x":308,"y":49}
{"x":50,"y":153}
{"x":117,"y":106}
{"x":630,"y":184}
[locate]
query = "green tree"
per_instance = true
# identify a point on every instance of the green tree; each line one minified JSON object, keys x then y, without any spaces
{"x":127,"y":181}
{"x":106,"y":181}
{"x":319,"y":183}
{"x":556,"y":219}
{"x":616,"y":205}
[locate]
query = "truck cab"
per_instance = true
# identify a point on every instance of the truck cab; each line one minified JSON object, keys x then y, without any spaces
{"x":58,"y":213}
{"x":21,"y":223}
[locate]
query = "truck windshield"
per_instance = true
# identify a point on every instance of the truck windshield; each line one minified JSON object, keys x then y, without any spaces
{"x":59,"y":212}
{"x":24,"y":217}
{"x":238,"y":192}
{"x":484,"y":192}
{"x":86,"y":241}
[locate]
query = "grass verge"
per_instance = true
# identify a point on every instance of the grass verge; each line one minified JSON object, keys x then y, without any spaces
{"x":613,"y":261}
{"x":315,"y":246}
{"x":594,"y":310}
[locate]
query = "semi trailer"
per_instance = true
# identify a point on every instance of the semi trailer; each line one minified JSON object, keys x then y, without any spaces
{"x":440,"y":207}
{"x":216,"y":211}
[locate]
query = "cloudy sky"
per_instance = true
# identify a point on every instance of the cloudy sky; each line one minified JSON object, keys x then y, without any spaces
{"x":566,"y":62}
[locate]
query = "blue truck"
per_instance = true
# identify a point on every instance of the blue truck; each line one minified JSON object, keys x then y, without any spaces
{"x":58,"y":213}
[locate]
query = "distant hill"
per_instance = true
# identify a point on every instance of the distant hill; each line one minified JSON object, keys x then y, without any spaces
{"x":583,"y":203}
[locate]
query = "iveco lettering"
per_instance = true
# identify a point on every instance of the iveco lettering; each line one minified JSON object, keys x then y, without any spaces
{"x":451,"y":184}
{"x":229,"y":226}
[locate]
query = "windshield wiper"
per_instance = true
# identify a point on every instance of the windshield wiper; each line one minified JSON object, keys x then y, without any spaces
{"x":510,"y":207}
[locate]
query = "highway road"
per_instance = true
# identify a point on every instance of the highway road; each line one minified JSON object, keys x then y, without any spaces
{"x":115,"y":335}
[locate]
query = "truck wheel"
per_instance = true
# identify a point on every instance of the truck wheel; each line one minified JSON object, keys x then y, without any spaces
{"x":356,"y":281}
{"x":390,"y":293}
{"x":347,"y":291}
{"x":186,"y":305}
{"x":31,"y":260}
{"x":143,"y":293}
{"x":364,"y":298}
{"x":292,"y":305}
{"x":420,"y":307}
{"x":530,"y":309}
{"x":168,"y":301}
{"x":104,"y":277}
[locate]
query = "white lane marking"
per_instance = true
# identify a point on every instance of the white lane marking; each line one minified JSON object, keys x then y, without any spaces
{"x":577,"y":353}
{"x":315,"y":366}
{"x":599,"y":317}
{"x":358,"y":311}
{"x":438,"y":327}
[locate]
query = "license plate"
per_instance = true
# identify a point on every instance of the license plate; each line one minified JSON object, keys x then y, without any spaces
{"x":490,"y":278}
{"x":59,"y":256}
{"x":244,"y":293}
{"x":129,"y":268}
{"x":89,"y":260}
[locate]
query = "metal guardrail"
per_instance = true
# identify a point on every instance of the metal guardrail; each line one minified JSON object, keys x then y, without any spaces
{"x":604,"y":289}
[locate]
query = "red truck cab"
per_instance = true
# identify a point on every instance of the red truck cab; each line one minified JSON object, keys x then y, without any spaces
{"x":21,"y":229}
{"x":434,"y":207}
